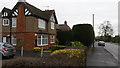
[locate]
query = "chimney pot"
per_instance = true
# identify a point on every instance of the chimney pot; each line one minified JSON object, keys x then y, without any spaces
{"x":65,"y":22}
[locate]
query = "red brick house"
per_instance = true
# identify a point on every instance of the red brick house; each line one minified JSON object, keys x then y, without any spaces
{"x":28,"y":26}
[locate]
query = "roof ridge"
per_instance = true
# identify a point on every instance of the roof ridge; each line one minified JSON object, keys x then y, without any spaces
{"x":7,"y":8}
{"x":33,"y":6}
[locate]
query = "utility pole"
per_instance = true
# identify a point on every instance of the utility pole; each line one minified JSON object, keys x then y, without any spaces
{"x":93,"y":28}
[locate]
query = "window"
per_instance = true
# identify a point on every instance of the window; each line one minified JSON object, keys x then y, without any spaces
{"x":13,"y":22}
{"x":5,"y":22}
{"x":52,"y":25}
{"x":42,"y":40}
{"x":14,"y":40}
{"x":52,"y":39}
{"x":4,"y":39}
{"x":41,"y":23}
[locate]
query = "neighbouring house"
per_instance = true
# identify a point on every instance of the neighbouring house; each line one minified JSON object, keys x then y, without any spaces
{"x":63,"y":27}
{"x":28,"y":27}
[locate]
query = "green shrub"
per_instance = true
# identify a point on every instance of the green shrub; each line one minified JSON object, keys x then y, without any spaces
{"x":53,"y":48}
{"x":83,"y":33}
{"x":57,"y":41}
{"x":76,"y":43}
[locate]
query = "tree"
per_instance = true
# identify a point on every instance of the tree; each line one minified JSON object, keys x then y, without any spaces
{"x":105,"y":30}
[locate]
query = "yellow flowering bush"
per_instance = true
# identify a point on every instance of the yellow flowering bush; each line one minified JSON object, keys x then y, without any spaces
{"x":37,"y":49}
{"x":72,"y":53}
{"x":69,"y":52}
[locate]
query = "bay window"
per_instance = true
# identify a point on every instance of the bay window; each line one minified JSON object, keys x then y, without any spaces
{"x":42,"y":40}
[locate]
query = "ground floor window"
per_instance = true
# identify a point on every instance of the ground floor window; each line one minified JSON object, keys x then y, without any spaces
{"x":52,"y":39}
{"x":14,"y":40}
{"x":4,"y":39}
{"x":42,"y":40}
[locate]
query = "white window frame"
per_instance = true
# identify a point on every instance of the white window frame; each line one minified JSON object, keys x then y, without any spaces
{"x":52,"y":39}
{"x":14,"y":20}
{"x":4,"y":22}
{"x":52,"y":25}
{"x":14,"y":38}
{"x":41,"y":24}
{"x":4,"y":39}
{"x":41,"y":38}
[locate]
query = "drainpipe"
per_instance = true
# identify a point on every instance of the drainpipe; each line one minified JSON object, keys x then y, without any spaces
{"x":10,"y":29}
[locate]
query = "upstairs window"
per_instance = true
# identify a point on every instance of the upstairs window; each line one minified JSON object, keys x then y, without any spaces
{"x":41,"y":23}
{"x":52,"y":25}
{"x":5,"y":22}
{"x":13,"y":22}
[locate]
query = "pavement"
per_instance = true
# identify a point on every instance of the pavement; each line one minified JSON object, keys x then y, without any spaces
{"x":100,"y":57}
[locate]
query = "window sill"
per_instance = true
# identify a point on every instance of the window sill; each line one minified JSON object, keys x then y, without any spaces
{"x":43,"y":45}
{"x":5,"y":25}
{"x":52,"y":42}
{"x":13,"y":26}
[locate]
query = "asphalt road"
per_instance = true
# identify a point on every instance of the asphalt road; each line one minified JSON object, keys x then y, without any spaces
{"x":114,"y":49}
{"x":101,"y":57}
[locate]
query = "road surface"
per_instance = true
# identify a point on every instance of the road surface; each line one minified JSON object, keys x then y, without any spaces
{"x":101,"y":57}
{"x":114,"y":49}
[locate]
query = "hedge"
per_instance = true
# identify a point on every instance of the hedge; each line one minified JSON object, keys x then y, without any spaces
{"x":64,"y":37}
{"x":83,"y":33}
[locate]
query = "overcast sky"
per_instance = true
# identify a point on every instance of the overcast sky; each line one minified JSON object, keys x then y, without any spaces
{"x":77,"y":11}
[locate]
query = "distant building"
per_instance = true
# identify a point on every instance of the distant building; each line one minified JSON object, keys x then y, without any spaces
{"x":63,"y":27}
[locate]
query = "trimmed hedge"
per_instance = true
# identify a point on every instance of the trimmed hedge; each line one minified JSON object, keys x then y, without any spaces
{"x":83,"y":33}
{"x":64,"y":37}
{"x":53,"y":48}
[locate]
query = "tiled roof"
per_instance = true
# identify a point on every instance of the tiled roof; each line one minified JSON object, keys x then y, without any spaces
{"x":7,"y":10}
{"x":46,"y":15}
{"x":63,"y":27}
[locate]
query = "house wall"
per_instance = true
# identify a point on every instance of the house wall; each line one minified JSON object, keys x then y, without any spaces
{"x":29,"y":40}
{"x":31,"y":24}
{"x":21,"y":19}
{"x":20,"y":27}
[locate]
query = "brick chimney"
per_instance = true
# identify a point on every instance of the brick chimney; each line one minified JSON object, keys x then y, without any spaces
{"x":22,"y":0}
